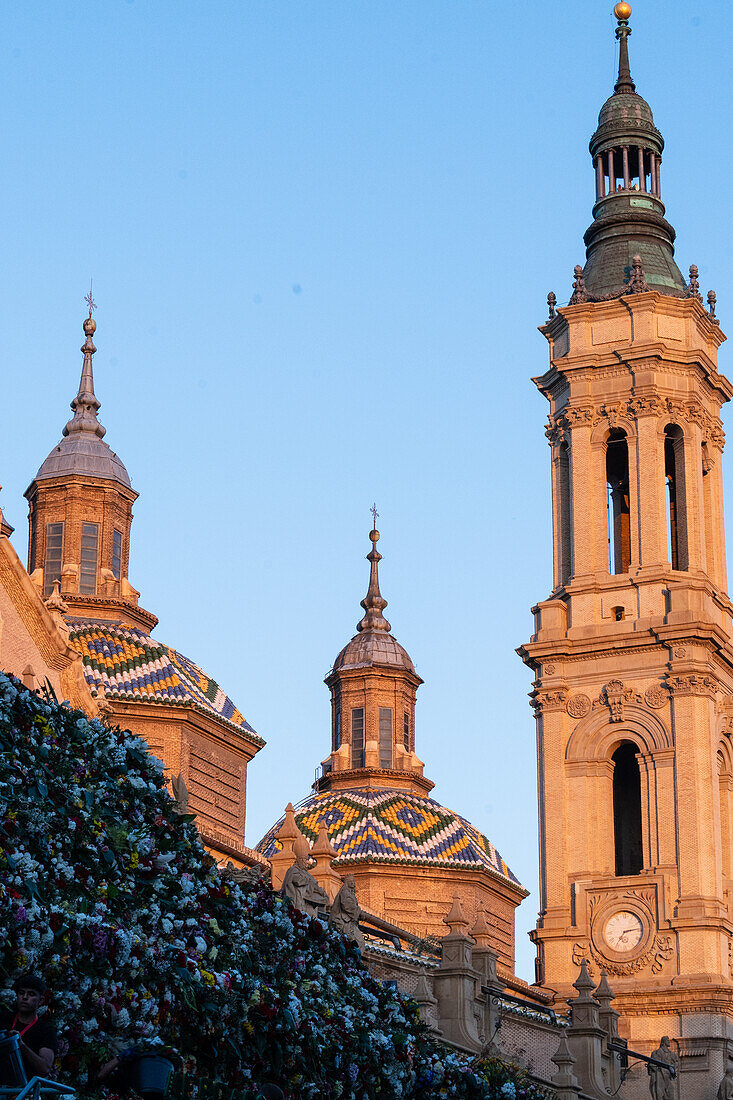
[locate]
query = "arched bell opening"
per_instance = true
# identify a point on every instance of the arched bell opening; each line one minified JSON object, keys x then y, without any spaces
{"x":674,"y":473}
{"x":617,"y":502}
{"x":627,"y":831}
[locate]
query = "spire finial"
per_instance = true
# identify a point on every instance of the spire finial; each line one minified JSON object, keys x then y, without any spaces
{"x":637,"y":283}
{"x":622,"y":11}
{"x":580,"y":294}
{"x":374,"y":603}
{"x":693,"y":290}
{"x":85,"y":405}
{"x":89,"y":299}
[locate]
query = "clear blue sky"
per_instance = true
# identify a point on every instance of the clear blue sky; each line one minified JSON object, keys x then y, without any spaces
{"x":322,"y":235}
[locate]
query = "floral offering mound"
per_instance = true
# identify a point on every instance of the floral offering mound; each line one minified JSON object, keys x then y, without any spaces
{"x":106,"y":890}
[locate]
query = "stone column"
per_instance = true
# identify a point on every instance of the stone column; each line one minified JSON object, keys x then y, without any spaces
{"x":625,"y":156}
{"x":423,"y":996}
{"x":653,"y":172}
{"x":284,"y":857}
{"x":721,"y":577}
{"x":565,"y":1082}
{"x":700,"y":904}
{"x":599,"y":177}
{"x":642,"y":173}
{"x":587,"y":503}
{"x":324,"y":853}
{"x":553,"y":812}
{"x":651,"y":505}
{"x":586,"y":1038}
{"x":611,"y":174}
{"x":608,"y":1019}
{"x":690,"y":498}
{"x":485,"y":960}
{"x":455,"y":983}
{"x":659,"y":177}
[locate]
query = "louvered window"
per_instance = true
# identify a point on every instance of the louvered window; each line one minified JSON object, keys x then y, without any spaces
{"x":385,"y":737}
{"x":357,"y":737}
{"x":89,"y":555}
{"x":116,"y":554}
{"x":54,"y":556}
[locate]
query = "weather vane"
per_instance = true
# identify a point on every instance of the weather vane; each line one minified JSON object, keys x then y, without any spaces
{"x":375,"y":513}
{"x":89,"y":300}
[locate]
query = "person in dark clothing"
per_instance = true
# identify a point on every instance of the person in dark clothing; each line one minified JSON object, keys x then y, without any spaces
{"x":37,"y":1035}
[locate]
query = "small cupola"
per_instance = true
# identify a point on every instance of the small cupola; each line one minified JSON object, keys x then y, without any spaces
{"x":80,"y":512}
{"x":373,"y":687}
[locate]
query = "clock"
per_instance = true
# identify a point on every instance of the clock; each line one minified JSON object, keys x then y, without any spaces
{"x":623,"y":930}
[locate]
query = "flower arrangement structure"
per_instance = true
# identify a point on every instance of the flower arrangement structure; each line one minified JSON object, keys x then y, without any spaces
{"x":106,"y":890}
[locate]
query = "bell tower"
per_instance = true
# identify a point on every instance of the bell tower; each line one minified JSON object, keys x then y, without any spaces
{"x":632,"y":655}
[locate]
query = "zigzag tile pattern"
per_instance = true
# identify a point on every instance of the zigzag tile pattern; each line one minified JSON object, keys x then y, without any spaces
{"x":128,"y":664}
{"x":392,"y":826}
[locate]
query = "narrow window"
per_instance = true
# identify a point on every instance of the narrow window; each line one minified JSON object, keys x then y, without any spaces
{"x":617,"y":480}
{"x":674,"y":471}
{"x":563,"y":513}
{"x":116,"y":554}
{"x":406,"y":730}
{"x":54,"y":555}
{"x":385,"y":737}
{"x":88,"y":563}
{"x":627,"y":810}
{"x":711,"y":557}
{"x":357,"y":737}
{"x":337,"y":731}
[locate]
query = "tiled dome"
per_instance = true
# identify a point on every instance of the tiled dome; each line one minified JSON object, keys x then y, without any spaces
{"x":128,"y":664}
{"x":373,"y":649}
{"x":84,"y":453}
{"x":389,"y":826}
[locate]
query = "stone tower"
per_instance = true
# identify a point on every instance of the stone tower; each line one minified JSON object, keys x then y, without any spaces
{"x":409,"y":854}
{"x":80,"y":512}
{"x":632,"y":651}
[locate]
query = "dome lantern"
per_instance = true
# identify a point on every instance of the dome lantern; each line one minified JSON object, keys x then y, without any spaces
{"x":628,"y":215}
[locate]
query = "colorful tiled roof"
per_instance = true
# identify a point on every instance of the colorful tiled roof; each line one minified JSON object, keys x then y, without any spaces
{"x":392,"y":826}
{"x":128,"y":664}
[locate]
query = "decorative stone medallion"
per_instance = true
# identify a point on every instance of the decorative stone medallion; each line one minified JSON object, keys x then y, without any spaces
{"x":578,"y":706}
{"x":655,"y":696}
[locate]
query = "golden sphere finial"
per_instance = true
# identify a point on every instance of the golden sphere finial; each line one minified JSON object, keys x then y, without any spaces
{"x":622,"y":10}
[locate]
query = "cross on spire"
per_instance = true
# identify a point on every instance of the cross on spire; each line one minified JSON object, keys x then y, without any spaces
{"x":90,"y":300}
{"x":375,"y":514}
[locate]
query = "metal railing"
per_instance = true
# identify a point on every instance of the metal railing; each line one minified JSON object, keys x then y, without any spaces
{"x":623,"y":1050}
{"x":35,"y":1089}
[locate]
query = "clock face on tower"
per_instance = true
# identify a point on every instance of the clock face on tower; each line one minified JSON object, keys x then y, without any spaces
{"x":623,"y":931}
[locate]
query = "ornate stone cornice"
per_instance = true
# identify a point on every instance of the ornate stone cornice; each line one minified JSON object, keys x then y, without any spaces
{"x":693,"y":683}
{"x":689,"y":410}
{"x":543,"y":701}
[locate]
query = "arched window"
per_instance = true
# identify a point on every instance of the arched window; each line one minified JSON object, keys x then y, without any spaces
{"x":674,"y":472}
{"x":617,"y":482}
{"x":627,"y":810}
